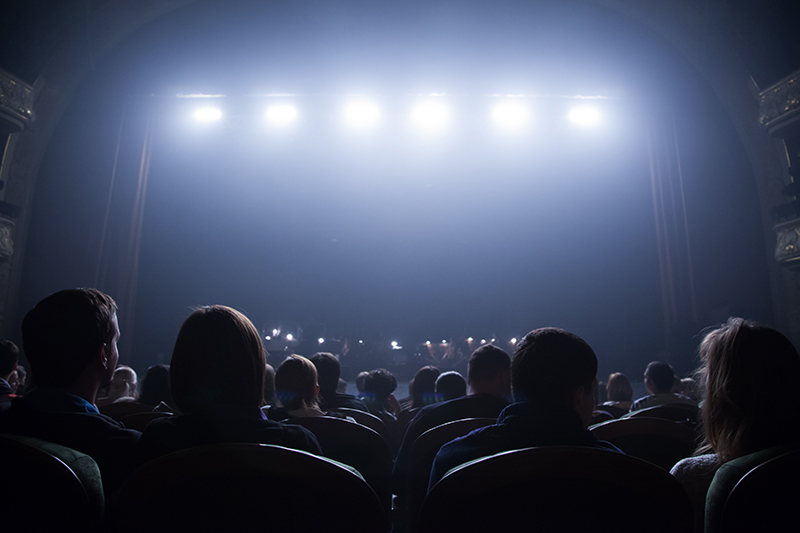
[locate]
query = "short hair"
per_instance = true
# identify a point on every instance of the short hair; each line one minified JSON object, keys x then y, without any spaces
{"x":296,"y":382}
{"x":9,"y":355}
{"x":619,"y":388}
{"x":380,"y":384}
{"x":424,"y":386}
{"x":361,"y":378}
{"x":487,"y":362}
{"x":662,"y":376}
{"x":218,"y":360}
{"x":451,"y":385}
{"x":328,"y":371}
{"x":156,"y":387}
{"x":63,"y":332}
{"x":549,"y":364}
{"x":749,"y":373}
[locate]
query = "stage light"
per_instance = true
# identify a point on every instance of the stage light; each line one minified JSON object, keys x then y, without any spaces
{"x":469,"y":339}
{"x":320,"y":340}
{"x":483,"y":341}
{"x":208,"y":114}
{"x":289,"y":337}
{"x":430,"y":116}
{"x":281,"y":114}
{"x":275,"y":332}
{"x":444,"y":341}
{"x":494,"y":340}
{"x":360,"y":342}
{"x":268,"y":338}
{"x":584,"y":116}
{"x":394,"y":344}
{"x":427,"y":343}
{"x":362,"y":114}
{"x":513,"y":341}
{"x":511,"y":115}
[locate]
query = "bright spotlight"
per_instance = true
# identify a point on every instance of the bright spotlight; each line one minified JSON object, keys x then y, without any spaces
{"x":469,"y":339}
{"x":427,"y":343}
{"x":513,"y":341}
{"x":289,"y":337}
{"x":444,"y":341}
{"x":584,"y":116}
{"x":281,"y":114}
{"x":360,"y":342}
{"x":483,"y":341}
{"x":208,"y":114}
{"x":394,"y":344}
{"x":494,"y":340}
{"x":275,"y":332}
{"x":510,"y":115}
{"x":362,"y":115}
{"x":430,"y":116}
{"x":320,"y":340}
{"x":268,"y":338}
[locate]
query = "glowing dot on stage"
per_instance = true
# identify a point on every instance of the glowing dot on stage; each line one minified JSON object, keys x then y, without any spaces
{"x":394,"y":344}
{"x":360,"y":342}
{"x":469,"y":339}
{"x":275,"y":332}
{"x":281,"y":114}
{"x":444,"y":341}
{"x":513,"y":341}
{"x":494,"y":340}
{"x":428,"y":343}
{"x":289,"y":337}
{"x":483,"y":341}
{"x":510,"y":115}
{"x":430,"y":116}
{"x":320,"y":340}
{"x":208,"y":114}
{"x":362,"y":114}
{"x":584,"y":116}
{"x":268,"y":338}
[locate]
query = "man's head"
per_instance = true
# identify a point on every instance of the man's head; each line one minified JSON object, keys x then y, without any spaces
{"x":328,"y":371}
{"x":69,"y":332}
{"x":659,"y":377}
{"x":555,"y":368}
{"x":9,"y":354}
{"x":380,"y":384}
{"x":450,"y":385}
{"x":488,"y":371}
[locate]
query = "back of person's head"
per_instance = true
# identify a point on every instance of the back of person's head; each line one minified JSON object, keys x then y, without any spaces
{"x":424,"y":390}
{"x":450,"y":385}
{"x":486,"y":363}
{"x":661,"y":376}
{"x":123,"y":383}
{"x":156,"y":386}
{"x":689,"y":388}
{"x":549,"y":364}
{"x":619,"y":388}
{"x":328,"y":371}
{"x":750,"y":374}
{"x":296,"y":382}
{"x":9,"y":355}
{"x":218,"y":360}
{"x":379,"y":385}
{"x":269,"y":386}
{"x":64,"y":332}
{"x":341,"y":388}
{"x":361,"y":378}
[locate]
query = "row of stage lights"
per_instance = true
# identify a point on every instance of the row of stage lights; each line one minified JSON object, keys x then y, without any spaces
{"x":395,"y":345}
{"x":429,"y":116}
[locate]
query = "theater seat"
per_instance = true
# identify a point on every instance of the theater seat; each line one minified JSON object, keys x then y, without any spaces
{"x":557,"y":489}
{"x":660,"y":441}
{"x":422,"y":454}
{"x":677,"y":412}
{"x":139,"y":421}
{"x":756,"y":492}
{"x":48,"y":487}
{"x":246,"y":487}
{"x":357,"y":446}
{"x":366,"y":419}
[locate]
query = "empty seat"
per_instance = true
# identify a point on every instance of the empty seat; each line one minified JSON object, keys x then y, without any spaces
{"x":557,"y":489}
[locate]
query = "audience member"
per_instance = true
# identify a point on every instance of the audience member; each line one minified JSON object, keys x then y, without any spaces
{"x":689,"y":388}
{"x":659,"y":378}
{"x":156,"y":389}
{"x":749,"y":374}
{"x":489,"y":382}
{"x":270,"y":398}
{"x":329,"y":370}
{"x":22,"y":380}
{"x":122,"y":388}
{"x":619,"y":392}
{"x":423,"y":389}
{"x":296,"y":387}
{"x":361,"y":378}
{"x":553,"y":380}
{"x":378,"y":389}
{"x":341,"y":388}
{"x":217,"y":374}
{"x":9,"y":354}
{"x":70,"y":339}
{"x":450,"y":385}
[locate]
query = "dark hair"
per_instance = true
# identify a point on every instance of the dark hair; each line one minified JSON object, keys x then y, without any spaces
{"x":451,"y":385}
{"x":424,"y":390}
{"x":619,"y":388}
{"x":9,"y":355}
{"x":328,"y":371}
{"x":750,"y":374}
{"x":156,"y":386}
{"x":296,"y":382}
{"x":662,"y":376}
{"x":487,"y":362}
{"x":64,"y":332}
{"x":549,"y":364}
{"x":380,"y":384}
{"x":218,"y":360}
{"x":269,"y":386}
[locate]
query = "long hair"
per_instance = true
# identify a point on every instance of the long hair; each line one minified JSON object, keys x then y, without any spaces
{"x":749,"y":374}
{"x":296,"y":383}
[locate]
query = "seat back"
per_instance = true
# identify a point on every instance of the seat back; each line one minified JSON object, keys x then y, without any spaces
{"x":423,"y":452}
{"x":357,"y":446}
{"x":756,"y":492}
{"x":556,"y":489}
{"x":365,"y":419}
{"x":139,"y":421}
{"x":246,"y":487}
{"x":657,"y":440}
{"x":677,"y":412}
{"x":119,"y":409}
{"x":49,"y":487}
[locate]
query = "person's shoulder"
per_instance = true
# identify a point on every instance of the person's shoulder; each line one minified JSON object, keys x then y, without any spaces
{"x":699,"y":465}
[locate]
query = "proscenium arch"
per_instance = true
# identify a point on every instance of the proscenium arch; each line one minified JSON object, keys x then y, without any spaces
{"x":694,"y":35}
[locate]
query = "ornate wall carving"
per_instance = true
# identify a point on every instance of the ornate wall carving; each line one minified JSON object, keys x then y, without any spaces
{"x":16,"y":101}
{"x":779,"y":105}
{"x":6,"y":241}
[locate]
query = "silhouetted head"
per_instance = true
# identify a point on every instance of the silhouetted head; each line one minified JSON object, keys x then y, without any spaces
{"x":296,"y":383}
{"x":156,"y":387}
{"x":619,"y":388}
{"x":379,"y":385}
{"x":423,"y":391}
{"x":488,"y":371}
{"x":659,"y":377}
{"x":450,"y":385}
{"x":328,"y":371}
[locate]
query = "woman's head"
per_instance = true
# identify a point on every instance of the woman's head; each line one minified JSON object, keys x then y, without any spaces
{"x":296,"y":383}
{"x":424,"y":389}
{"x":619,"y":388}
{"x":749,"y":374}
{"x":218,"y":361}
